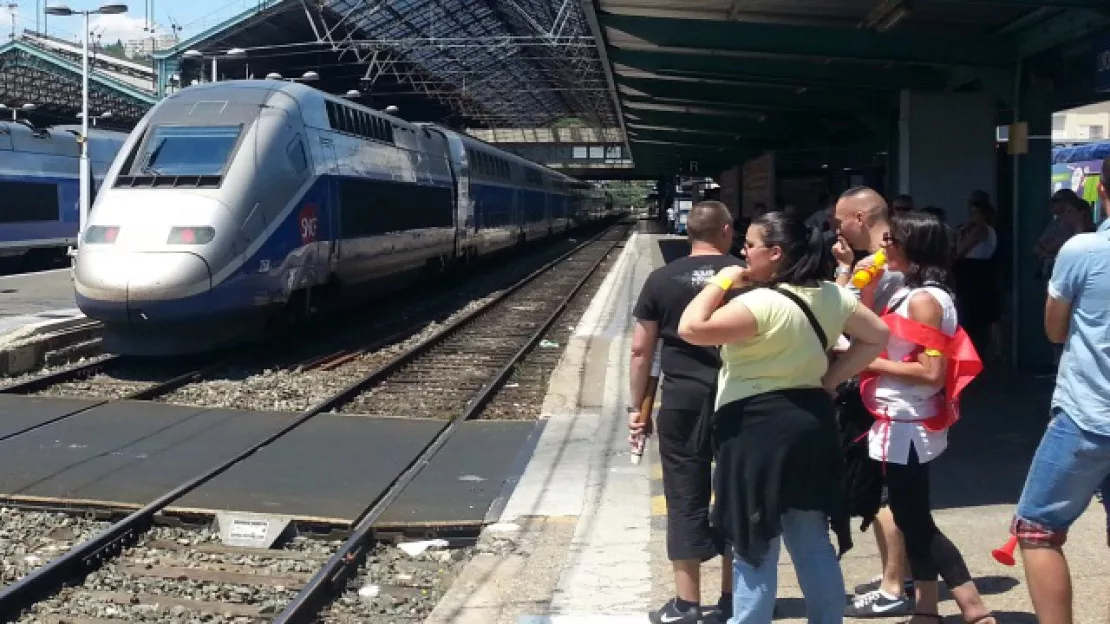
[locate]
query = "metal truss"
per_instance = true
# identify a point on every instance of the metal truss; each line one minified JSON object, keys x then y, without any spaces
{"x":494,"y":62}
{"x":25,"y":78}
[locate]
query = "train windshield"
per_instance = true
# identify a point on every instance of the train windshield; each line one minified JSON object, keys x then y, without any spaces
{"x":189,"y":150}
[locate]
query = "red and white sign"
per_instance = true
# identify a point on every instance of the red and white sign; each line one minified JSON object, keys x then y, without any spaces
{"x":308,"y":221}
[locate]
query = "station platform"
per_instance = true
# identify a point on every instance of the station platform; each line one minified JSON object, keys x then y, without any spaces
{"x":30,"y":301}
{"x":581,"y":539}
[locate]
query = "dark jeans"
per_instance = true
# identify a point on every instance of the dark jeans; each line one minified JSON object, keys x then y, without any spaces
{"x":930,"y":552}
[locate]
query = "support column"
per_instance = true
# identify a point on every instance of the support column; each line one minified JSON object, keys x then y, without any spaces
{"x":1032,"y":190}
{"x":946,"y":144}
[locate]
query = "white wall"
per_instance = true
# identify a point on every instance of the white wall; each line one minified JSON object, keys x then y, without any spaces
{"x":946,"y":149}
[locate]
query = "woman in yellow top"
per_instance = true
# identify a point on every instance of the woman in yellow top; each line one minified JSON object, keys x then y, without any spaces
{"x":779,"y":465}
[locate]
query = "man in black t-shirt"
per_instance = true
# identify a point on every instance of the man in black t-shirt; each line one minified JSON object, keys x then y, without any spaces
{"x":689,"y":380}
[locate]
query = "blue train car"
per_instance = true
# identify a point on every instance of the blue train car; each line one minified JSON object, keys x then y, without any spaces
{"x":39,"y":184}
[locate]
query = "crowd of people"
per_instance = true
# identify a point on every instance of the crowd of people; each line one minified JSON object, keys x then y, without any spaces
{"x":821,"y":371}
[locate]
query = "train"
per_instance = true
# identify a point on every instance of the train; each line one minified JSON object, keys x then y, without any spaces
{"x":39,"y":185}
{"x":235,"y":205}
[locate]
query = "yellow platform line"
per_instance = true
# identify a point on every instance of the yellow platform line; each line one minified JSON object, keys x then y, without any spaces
{"x":658,"y":505}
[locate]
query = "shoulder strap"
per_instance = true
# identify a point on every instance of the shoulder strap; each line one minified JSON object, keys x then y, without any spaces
{"x":893,"y":305}
{"x":809,"y":316}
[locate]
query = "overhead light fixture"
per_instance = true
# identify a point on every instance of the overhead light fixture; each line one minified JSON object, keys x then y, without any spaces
{"x":888,"y":14}
{"x":893,"y":19}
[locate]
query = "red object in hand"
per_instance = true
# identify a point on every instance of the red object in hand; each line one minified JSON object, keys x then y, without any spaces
{"x":1005,"y":555}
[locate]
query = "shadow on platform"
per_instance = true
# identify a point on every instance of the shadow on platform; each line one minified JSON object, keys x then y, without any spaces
{"x":990,"y":449}
{"x":795,"y":608}
{"x":673,"y":248}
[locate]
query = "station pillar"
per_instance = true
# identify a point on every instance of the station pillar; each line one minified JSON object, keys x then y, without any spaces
{"x":946,"y":149}
{"x":1032,"y":171}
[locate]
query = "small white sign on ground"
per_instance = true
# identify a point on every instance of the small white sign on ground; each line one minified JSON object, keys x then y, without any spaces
{"x":251,"y":530}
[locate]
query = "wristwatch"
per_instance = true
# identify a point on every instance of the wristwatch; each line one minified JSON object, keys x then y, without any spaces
{"x":843,"y":270}
{"x":632,"y":409}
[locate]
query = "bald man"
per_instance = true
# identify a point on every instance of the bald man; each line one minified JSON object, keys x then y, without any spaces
{"x":861,"y":217}
{"x":689,"y":380}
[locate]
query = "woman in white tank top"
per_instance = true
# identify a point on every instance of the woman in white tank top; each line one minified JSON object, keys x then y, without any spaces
{"x":909,"y":389}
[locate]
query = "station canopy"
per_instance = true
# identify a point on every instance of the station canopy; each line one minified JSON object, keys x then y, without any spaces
{"x":720,"y":81}
{"x":472,"y":63}
{"x":45,"y":73}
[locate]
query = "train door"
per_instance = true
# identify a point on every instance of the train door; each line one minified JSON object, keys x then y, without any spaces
{"x":331,"y":169}
{"x":465,"y":222}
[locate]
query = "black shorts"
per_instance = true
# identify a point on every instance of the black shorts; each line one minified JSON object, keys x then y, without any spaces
{"x":687,"y":486}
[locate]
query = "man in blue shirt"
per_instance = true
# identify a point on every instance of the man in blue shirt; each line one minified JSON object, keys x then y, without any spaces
{"x":1073,"y":460}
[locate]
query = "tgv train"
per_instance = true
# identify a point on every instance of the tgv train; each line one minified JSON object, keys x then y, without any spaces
{"x":39,"y":184}
{"x":234,"y":201}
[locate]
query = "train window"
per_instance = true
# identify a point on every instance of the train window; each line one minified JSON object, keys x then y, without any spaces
{"x":351,"y":124}
{"x":188,"y":150}
{"x":333,"y":120}
{"x":28,"y":201}
{"x":297,"y":155}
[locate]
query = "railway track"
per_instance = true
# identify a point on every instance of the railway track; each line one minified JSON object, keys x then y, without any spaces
{"x":175,"y":574}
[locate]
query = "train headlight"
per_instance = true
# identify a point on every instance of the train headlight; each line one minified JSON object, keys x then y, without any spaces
{"x":191,"y":235}
{"x":101,"y":234}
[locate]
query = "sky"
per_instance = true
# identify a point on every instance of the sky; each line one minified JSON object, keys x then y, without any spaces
{"x":193,"y":16}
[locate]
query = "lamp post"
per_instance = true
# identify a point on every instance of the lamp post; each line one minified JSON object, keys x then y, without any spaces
{"x":84,"y":174}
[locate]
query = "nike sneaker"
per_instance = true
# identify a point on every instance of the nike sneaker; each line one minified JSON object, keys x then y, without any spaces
{"x":671,"y":614}
{"x":718,"y":614}
{"x":875,"y":582}
{"x":878,"y":604}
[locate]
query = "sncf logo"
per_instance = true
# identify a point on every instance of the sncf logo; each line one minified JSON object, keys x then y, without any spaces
{"x":309,"y":221}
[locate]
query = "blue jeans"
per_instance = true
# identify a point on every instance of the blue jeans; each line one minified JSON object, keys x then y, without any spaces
{"x":806,"y":534}
{"x":1069,"y":467}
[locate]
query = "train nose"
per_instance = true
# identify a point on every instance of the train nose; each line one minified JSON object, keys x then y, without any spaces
{"x":132,"y":284}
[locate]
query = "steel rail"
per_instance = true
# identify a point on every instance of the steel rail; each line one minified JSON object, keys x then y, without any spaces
{"x":90,"y":554}
{"x":138,"y":395}
{"x":344,"y":563}
{"x":62,"y":375}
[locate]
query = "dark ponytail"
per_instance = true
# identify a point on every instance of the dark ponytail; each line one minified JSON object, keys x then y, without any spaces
{"x":803,"y":248}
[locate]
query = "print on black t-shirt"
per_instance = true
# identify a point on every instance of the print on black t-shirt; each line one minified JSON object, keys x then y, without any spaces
{"x":689,"y":372}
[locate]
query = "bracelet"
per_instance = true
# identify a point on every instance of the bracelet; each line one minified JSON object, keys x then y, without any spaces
{"x":842,"y":270}
{"x":723,"y":282}
{"x":933,"y":353}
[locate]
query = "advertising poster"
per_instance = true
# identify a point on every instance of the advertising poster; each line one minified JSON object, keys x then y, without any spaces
{"x":1079,"y":169}
{"x":758,"y":183}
